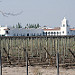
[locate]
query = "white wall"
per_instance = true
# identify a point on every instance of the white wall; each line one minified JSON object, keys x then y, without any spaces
{"x":24,"y":32}
{"x":57,"y":32}
{"x":2,"y":31}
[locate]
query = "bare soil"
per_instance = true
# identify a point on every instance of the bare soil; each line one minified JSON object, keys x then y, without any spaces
{"x":36,"y":70}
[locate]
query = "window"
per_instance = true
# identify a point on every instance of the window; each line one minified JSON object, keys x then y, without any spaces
{"x":63,"y":25}
{"x":68,"y":32}
{"x":46,"y":33}
{"x":60,"y":32}
{"x":43,"y":33}
{"x":3,"y":35}
{"x":51,"y":32}
{"x":27,"y":34}
{"x":57,"y":33}
{"x":54,"y":32}
{"x":6,"y":32}
{"x":17,"y":34}
{"x":63,"y":32}
{"x":14,"y":34}
{"x":67,"y":25}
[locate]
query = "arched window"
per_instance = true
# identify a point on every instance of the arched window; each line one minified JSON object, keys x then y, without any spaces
{"x":46,"y":33}
{"x":27,"y":34}
{"x":43,"y":33}
{"x":7,"y":32}
{"x":63,"y":32}
{"x":67,"y":25}
{"x":51,"y":32}
{"x":54,"y":33}
{"x":63,"y":25}
{"x":17,"y":34}
{"x":57,"y":33}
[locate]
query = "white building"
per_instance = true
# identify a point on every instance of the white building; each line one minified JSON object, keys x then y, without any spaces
{"x":5,"y":31}
{"x":58,"y":31}
{"x":63,"y":30}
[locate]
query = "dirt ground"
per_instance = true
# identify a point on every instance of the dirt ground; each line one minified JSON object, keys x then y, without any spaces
{"x":36,"y":70}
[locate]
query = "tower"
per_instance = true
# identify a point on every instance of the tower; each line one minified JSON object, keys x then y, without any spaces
{"x":65,"y":27}
{"x":64,"y":22}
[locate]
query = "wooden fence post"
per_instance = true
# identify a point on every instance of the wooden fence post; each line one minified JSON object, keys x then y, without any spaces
{"x":0,"y":64}
{"x":57,"y":58}
{"x":27,"y":62}
{"x":57,"y":63}
{"x":0,"y":60}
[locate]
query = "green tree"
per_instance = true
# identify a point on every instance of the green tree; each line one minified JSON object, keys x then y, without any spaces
{"x":35,"y":26}
{"x":32,"y":26}
{"x":18,"y":25}
{"x":38,"y":25}
{"x":13,"y":26}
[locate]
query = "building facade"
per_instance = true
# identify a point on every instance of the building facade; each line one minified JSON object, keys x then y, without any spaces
{"x":5,"y":31}
{"x":58,"y":31}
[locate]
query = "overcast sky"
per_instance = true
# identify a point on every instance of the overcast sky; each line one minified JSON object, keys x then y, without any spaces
{"x":44,"y":12}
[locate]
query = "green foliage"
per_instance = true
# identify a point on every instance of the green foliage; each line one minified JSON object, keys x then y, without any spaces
{"x":13,"y":26}
{"x":32,"y":26}
{"x":18,"y":25}
{"x":27,"y":26}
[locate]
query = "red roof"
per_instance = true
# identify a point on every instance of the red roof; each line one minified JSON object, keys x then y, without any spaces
{"x":53,"y":29}
{"x":7,"y":29}
{"x":72,"y":29}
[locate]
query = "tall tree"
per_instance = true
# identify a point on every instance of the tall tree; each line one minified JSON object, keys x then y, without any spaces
{"x":18,"y":25}
{"x":13,"y":26}
{"x":38,"y":25}
{"x":32,"y":26}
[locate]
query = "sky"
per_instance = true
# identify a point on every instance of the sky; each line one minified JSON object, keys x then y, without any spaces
{"x":45,"y":12}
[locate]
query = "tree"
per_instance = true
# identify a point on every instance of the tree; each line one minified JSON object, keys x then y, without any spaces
{"x":18,"y":25}
{"x":38,"y":25}
{"x":32,"y":26}
{"x":13,"y":26}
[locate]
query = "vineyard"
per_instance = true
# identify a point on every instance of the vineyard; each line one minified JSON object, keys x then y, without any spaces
{"x":42,"y":50}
